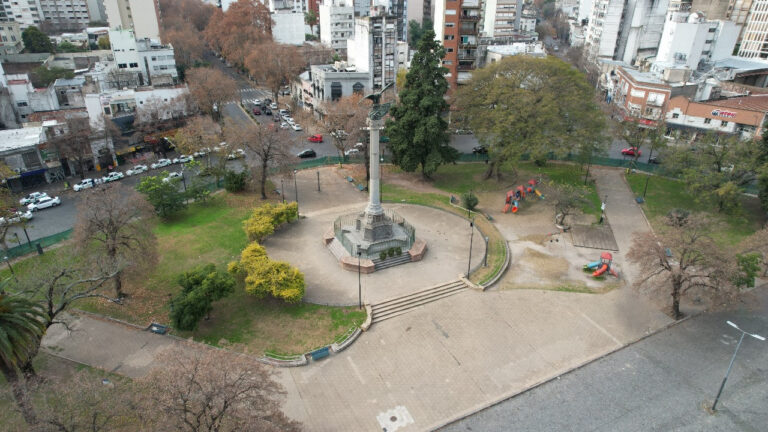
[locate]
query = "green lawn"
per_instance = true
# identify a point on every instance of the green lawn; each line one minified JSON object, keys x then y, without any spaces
{"x":213,"y":233}
{"x":665,"y":194}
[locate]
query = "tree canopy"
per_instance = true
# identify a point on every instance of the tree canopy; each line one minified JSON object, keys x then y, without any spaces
{"x":417,"y":128}
{"x":36,"y":41}
{"x":526,"y":105}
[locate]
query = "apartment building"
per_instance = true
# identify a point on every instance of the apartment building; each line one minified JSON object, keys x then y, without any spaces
{"x":625,"y":30}
{"x":689,"y":39}
{"x":337,"y":24}
{"x":25,"y":12}
{"x":374,"y":47}
{"x":754,"y":42}
{"x":743,"y":116}
{"x":641,"y":96}
{"x":120,"y":14}
{"x":502,"y":17}
{"x":65,"y":15}
{"x":10,"y":38}
{"x":457,"y":26}
{"x":152,"y":62}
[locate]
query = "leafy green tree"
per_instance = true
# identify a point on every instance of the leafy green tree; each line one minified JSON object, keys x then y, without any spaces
{"x":311,"y":19}
{"x":165,"y":197}
{"x":526,"y":105}
{"x":200,"y":287}
{"x":715,"y":168}
{"x":417,"y":129}
{"x":234,"y":181}
{"x":104,"y":43}
{"x":43,"y":77}
{"x":68,"y":47}
{"x":21,"y":329}
{"x":36,"y":41}
{"x":470,"y":200}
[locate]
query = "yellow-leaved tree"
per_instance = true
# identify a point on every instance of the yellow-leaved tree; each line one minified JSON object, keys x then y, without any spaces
{"x":262,"y":276}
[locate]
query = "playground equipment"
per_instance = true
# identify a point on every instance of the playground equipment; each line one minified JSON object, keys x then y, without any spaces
{"x":602,"y":265}
{"x":517,"y":195}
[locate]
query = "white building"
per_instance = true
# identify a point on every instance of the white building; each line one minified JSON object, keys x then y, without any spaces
{"x":10,"y":38}
{"x":415,"y":11}
{"x":337,"y":24}
{"x":374,"y":48}
{"x":625,"y":31}
{"x":27,"y":99}
{"x":585,"y":10}
{"x":497,"y":52}
{"x":25,"y":12}
{"x":152,"y":61}
{"x":500,"y":17}
{"x":689,"y":38}
{"x":120,"y":15}
{"x":332,"y":82}
{"x":288,"y":28}
{"x":755,"y":40}
{"x":65,"y":15}
{"x":19,"y":150}
{"x":569,"y":7}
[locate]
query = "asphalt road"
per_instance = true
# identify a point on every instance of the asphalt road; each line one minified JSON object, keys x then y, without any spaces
{"x":661,"y":383}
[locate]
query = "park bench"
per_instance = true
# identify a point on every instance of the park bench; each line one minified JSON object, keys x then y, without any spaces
{"x":158,"y":328}
{"x":320,"y":353}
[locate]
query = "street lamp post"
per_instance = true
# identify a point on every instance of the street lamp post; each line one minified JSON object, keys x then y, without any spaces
{"x":471,"y":236}
{"x":359,"y":284}
{"x":296,"y":190}
{"x":736,"y":351}
{"x":29,"y":242}
{"x":282,"y":190}
{"x":7,"y":261}
{"x":645,"y":189}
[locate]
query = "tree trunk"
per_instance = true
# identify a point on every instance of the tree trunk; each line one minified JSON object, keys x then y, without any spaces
{"x":82,"y":168}
{"x":20,"y":394}
{"x":676,"y":301}
{"x":489,"y":171}
{"x":119,"y":294}
{"x":264,"y":182}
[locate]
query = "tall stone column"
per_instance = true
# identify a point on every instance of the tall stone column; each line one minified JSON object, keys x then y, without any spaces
{"x":374,"y":198}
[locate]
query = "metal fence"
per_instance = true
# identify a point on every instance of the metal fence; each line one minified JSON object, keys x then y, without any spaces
{"x":349,"y":221}
{"x":44,"y":242}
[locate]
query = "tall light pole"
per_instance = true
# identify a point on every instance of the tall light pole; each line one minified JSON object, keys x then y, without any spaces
{"x":359,"y":284}
{"x":736,"y":351}
{"x":282,"y":190}
{"x":296,"y":190}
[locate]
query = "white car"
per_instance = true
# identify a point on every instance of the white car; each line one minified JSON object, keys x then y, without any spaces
{"x":257,"y":102}
{"x":296,"y":127}
{"x":160,"y":163}
{"x":33,"y":197}
{"x":138,"y":169}
{"x":273,"y":106}
{"x":173,"y":175}
{"x":289,"y":120}
{"x":113,"y":176}
{"x":44,"y":203}
{"x":83,"y":184}
{"x":202,"y":152}
{"x":352,"y":152}
{"x":284,"y":112}
{"x":237,"y":154}
{"x":20,"y":215}
{"x":284,"y":125}
{"x":183,"y":159}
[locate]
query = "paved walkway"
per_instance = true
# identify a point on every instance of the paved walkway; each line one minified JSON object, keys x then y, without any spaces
{"x":439,"y":362}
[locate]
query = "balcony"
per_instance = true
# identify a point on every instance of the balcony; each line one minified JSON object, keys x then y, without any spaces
{"x":465,"y":67}
{"x":470,"y":3}
{"x":468,"y":17}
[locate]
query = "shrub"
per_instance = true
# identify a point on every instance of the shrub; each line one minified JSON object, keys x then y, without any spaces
{"x":470,"y":201}
{"x":383,"y":255}
{"x":164,"y":196}
{"x":198,"y":191}
{"x":200,"y":287}
{"x":263,"y":276}
{"x":235,"y":182}
{"x":398,"y":251}
{"x":267,"y":217}
{"x":391,"y":252}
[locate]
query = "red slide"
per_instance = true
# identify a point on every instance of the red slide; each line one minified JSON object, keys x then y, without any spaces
{"x":600,"y":271}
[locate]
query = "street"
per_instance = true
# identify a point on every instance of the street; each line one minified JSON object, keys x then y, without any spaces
{"x":661,"y":383}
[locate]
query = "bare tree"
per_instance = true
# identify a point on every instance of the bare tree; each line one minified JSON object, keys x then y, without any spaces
{"x":344,"y":120}
{"x":567,"y":199}
{"x":207,"y":390}
{"x":276,"y":64}
{"x":119,"y":79}
{"x":267,"y":142}
{"x":232,"y":33}
{"x":114,"y":222}
{"x":200,"y":134}
{"x":211,"y":88}
{"x":681,"y":259}
{"x":72,"y":140}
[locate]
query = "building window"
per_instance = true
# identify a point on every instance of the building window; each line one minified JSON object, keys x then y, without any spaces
{"x":449,"y":37}
{"x":449,"y":49}
{"x":21,"y":104}
{"x":447,"y":62}
{"x":707,"y":120}
{"x":449,"y":25}
{"x":675,"y":115}
{"x":357,"y":88}
{"x":122,"y":65}
{"x":335,"y":90}
{"x":723,"y":123}
{"x":450,"y":11}
{"x":133,"y":65}
{"x":712,"y":30}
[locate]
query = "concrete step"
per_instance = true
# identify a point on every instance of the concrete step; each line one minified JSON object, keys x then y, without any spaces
{"x":391,"y":262}
{"x":337,"y":249}
{"x":400,"y":305}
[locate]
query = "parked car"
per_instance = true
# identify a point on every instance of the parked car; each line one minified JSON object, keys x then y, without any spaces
{"x":266,"y":111}
{"x":44,"y":203}
{"x":654,"y":160}
{"x":296,"y":127}
{"x":256,"y":111}
{"x":283,"y":112}
{"x":202,"y":152}
{"x":18,"y":217}
{"x":308,"y":153}
{"x":138,"y":169}
{"x":360,"y":146}
{"x":631,"y":151}
{"x":317,"y":138}
{"x":113,"y":176}
{"x":257,"y":101}
{"x":183,"y":159}
{"x":237,"y":154}
{"x":352,"y":152}
{"x":289,"y":120}
{"x":284,"y":125}
{"x":481,"y":149}
{"x":161,"y":163}
{"x":82,"y":184}
{"x":31,"y":198}
{"x":173,"y":175}
{"x":272,"y":105}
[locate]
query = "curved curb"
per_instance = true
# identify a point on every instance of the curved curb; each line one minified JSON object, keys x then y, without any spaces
{"x":339,"y":347}
{"x":503,"y":268}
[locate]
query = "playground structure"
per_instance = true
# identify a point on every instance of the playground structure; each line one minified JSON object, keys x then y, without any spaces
{"x":517,"y":195}
{"x":602,"y":265}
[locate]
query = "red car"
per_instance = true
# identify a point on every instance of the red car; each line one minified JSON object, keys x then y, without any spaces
{"x":256,"y":111}
{"x":315,"y":138}
{"x":631,"y":151}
